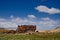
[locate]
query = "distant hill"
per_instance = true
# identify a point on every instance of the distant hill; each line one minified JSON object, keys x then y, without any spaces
{"x":57,"y":27}
{"x":56,"y":30}
{"x":3,"y":30}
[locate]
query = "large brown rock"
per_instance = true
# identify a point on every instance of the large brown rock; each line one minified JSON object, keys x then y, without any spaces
{"x":25,"y":28}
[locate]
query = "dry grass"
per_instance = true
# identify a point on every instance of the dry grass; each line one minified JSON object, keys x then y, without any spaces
{"x":29,"y":37}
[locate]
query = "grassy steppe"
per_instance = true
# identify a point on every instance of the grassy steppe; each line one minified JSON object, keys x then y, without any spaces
{"x":29,"y":37}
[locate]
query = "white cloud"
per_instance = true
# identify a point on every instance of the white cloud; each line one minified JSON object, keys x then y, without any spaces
{"x":48,"y":22}
{"x":11,"y":16}
{"x":2,"y":19}
{"x":45,"y":9}
{"x":14,"y":22}
{"x":45,"y":18}
{"x":31,"y":16}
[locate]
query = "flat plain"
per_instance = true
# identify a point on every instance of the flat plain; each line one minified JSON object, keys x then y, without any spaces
{"x":29,"y":36}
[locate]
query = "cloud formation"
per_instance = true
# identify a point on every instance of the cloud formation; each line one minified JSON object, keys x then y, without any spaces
{"x":11,"y":16}
{"x":45,"y":9}
{"x":31,"y":16}
{"x":45,"y":18}
{"x":47,"y":21}
{"x":12,"y":23}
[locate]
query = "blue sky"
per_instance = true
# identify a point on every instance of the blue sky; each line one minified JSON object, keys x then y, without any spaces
{"x":43,"y":13}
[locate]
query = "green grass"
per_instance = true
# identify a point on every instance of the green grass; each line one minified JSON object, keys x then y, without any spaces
{"x":29,"y":37}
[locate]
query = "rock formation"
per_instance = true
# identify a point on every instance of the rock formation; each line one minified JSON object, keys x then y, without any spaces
{"x":25,"y":28}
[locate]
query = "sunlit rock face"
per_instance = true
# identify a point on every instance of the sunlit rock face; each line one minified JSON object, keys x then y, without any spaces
{"x":26,"y":28}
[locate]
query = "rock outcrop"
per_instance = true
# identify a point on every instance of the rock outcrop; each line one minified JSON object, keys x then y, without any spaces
{"x":25,"y":28}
